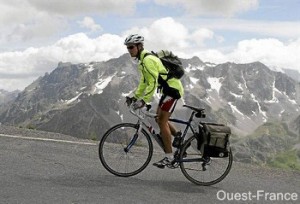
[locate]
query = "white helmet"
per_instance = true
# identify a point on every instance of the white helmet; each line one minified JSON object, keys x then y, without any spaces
{"x":135,"y":39}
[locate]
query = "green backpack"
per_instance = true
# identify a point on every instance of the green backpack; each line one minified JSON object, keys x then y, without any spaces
{"x":171,"y":62}
{"x":175,"y":70}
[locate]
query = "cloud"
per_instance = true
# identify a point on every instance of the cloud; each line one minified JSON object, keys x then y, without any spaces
{"x":166,"y":33}
{"x":90,"y":24}
{"x":27,"y":21}
{"x":226,"y":8}
{"x":79,"y":48}
{"x":21,"y":12}
{"x":83,"y":6}
{"x":19,"y":68}
{"x":287,"y":29}
{"x":202,"y":34}
{"x":14,"y":12}
{"x":272,"y":52}
{"x":44,"y":27}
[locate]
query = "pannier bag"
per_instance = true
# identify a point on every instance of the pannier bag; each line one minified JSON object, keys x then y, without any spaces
{"x":214,"y":140}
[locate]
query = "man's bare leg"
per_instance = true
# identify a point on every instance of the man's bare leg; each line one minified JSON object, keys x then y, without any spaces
{"x":163,"y":123}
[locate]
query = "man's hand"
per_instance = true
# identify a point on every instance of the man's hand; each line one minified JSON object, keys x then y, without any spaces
{"x":139,"y":104}
{"x":130,"y":100}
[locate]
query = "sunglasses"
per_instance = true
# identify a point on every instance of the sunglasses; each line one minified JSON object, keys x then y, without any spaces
{"x":130,"y":47}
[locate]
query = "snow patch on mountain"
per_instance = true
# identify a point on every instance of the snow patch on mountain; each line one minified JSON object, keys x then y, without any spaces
{"x":194,"y":80}
{"x":264,"y":114}
{"x":190,"y":68}
{"x":236,"y":95}
{"x":274,"y":99}
{"x":215,"y":83}
{"x":73,"y":99}
{"x":277,"y":69}
{"x":90,"y":68}
{"x":100,"y":85}
{"x":209,"y":64}
{"x":235,"y":109}
{"x":245,"y":83}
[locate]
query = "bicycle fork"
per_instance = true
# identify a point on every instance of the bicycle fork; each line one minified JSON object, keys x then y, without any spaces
{"x":134,"y":138}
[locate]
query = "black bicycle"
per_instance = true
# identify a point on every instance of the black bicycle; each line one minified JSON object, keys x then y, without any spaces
{"x":126,"y":149}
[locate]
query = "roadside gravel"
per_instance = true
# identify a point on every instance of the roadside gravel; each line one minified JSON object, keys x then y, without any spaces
{"x":24,"y":132}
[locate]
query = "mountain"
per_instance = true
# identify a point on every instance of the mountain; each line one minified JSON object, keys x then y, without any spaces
{"x":84,"y":100}
{"x":6,"y":98}
{"x":293,"y":74}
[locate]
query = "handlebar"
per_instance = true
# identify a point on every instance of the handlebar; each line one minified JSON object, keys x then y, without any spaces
{"x":141,"y":113}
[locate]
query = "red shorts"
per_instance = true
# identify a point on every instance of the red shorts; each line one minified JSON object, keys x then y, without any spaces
{"x":167,"y":103}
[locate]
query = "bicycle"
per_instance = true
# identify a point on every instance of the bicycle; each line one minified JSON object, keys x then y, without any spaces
{"x":126,"y":150}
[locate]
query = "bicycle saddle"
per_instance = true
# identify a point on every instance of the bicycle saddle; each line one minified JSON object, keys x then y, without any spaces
{"x":200,"y":111}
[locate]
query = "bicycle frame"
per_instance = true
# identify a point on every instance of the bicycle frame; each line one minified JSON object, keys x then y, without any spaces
{"x":142,"y":115}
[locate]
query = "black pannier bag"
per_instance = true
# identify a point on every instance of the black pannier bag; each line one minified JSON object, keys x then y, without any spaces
{"x":214,"y":140}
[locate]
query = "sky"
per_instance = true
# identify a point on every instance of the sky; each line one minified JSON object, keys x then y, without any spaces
{"x":35,"y":35}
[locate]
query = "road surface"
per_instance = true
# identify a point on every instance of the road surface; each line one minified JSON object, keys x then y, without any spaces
{"x":67,"y":170}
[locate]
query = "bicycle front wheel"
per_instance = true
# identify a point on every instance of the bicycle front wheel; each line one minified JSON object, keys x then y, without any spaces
{"x":124,"y":152}
{"x":202,"y":171}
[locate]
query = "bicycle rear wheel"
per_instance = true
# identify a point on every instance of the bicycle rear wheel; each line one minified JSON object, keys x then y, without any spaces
{"x":123,"y":152}
{"x":200,"y":171}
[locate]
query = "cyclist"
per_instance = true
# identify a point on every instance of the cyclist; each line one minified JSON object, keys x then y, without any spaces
{"x":150,"y":68}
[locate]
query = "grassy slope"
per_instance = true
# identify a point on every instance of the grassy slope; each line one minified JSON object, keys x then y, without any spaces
{"x":286,"y":160}
{"x":289,"y":158}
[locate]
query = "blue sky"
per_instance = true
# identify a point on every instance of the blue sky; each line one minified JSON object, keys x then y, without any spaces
{"x":37,"y":34}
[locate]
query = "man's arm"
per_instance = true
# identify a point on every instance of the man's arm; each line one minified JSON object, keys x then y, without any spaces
{"x":151,"y":75}
{"x":139,"y":92}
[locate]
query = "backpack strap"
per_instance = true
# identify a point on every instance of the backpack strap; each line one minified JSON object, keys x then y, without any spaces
{"x":147,"y":54}
{"x":160,"y":80}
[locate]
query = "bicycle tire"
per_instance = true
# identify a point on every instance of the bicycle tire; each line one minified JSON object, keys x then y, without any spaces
{"x":194,"y":172}
{"x":113,"y":155}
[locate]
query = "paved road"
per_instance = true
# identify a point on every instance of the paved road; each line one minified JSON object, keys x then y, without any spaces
{"x":50,"y":171}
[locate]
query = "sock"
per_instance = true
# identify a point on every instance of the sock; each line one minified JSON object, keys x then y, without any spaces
{"x":170,"y":156}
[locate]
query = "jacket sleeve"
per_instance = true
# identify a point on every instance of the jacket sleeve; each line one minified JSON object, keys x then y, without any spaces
{"x":150,"y":71}
{"x":139,"y":92}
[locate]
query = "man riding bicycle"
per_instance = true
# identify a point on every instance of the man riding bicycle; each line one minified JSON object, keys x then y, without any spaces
{"x":153,"y":75}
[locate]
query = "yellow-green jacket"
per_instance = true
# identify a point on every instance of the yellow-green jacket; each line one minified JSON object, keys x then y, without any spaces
{"x":150,"y":67}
